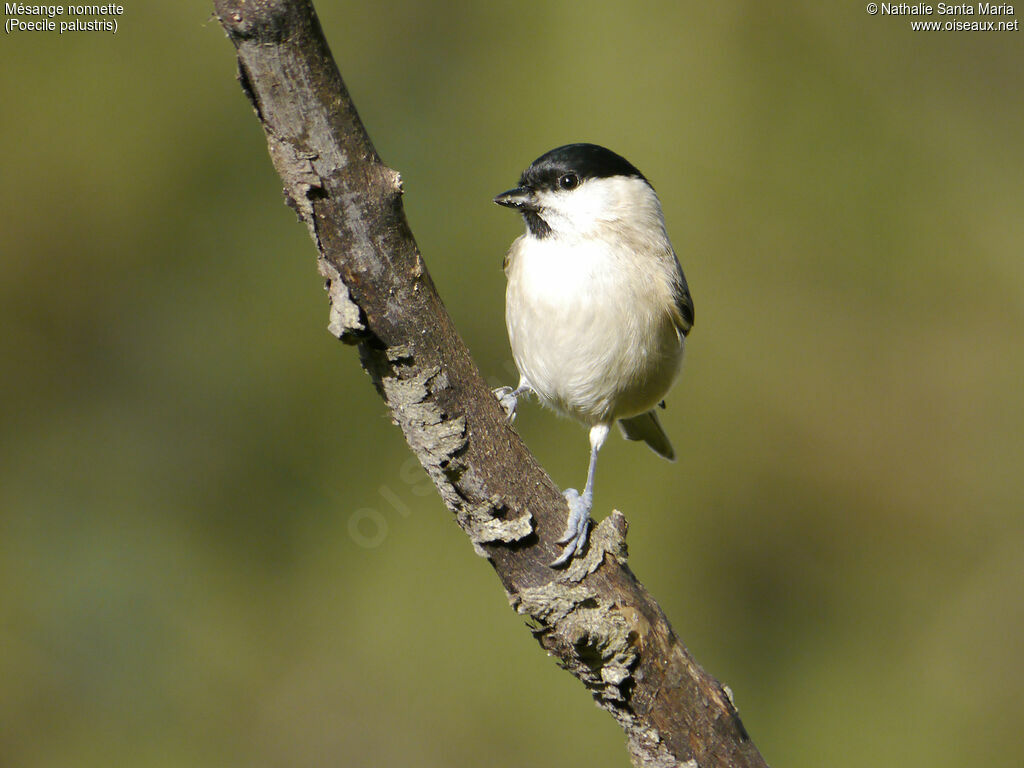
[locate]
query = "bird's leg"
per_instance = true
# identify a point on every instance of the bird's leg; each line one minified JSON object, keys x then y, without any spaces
{"x":509,"y":398}
{"x":575,"y":535}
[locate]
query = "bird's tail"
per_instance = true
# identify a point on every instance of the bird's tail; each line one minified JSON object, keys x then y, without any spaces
{"x":646,"y":427}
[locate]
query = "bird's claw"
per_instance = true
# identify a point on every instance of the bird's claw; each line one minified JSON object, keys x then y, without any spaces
{"x":575,"y":535}
{"x":508,"y":400}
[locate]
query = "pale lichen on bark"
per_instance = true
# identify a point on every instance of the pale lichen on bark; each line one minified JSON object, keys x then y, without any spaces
{"x":486,"y":524}
{"x":434,"y":436}
{"x":346,"y":318}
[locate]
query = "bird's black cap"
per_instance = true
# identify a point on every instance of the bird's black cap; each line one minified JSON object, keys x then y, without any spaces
{"x":587,"y":161}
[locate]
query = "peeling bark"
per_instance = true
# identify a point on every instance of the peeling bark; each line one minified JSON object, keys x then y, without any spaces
{"x":593,"y":616}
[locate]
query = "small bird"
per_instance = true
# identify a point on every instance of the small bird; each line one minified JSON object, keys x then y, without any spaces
{"x":597,"y":307}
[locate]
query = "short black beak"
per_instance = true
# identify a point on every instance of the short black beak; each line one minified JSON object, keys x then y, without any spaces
{"x":520,"y":198}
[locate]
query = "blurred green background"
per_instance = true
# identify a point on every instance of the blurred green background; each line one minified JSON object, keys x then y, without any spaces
{"x":212,"y":539}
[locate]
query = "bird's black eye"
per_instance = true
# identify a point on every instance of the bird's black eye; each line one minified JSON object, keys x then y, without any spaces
{"x":569,"y":181}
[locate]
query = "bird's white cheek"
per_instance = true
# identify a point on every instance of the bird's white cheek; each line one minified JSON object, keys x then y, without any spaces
{"x":597,"y":203}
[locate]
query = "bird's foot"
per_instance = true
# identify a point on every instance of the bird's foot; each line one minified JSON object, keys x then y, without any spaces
{"x":575,"y":535}
{"x":508,"y":398}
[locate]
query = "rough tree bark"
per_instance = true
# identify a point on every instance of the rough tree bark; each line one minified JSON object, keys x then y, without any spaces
{"x":594,"y":616}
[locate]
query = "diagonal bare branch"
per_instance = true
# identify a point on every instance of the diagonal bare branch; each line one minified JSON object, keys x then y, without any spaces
{"x":594,"y":616}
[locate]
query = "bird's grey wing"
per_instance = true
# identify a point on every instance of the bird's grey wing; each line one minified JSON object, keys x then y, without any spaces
{"x":682,"y":314}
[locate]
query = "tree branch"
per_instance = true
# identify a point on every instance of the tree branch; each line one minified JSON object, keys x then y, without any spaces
{"x":594,"y":616}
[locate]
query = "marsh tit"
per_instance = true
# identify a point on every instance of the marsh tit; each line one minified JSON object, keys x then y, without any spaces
{"x":597,"y":307}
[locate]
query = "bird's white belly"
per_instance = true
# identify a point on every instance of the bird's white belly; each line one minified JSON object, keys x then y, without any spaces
{"x":593,"y":337}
